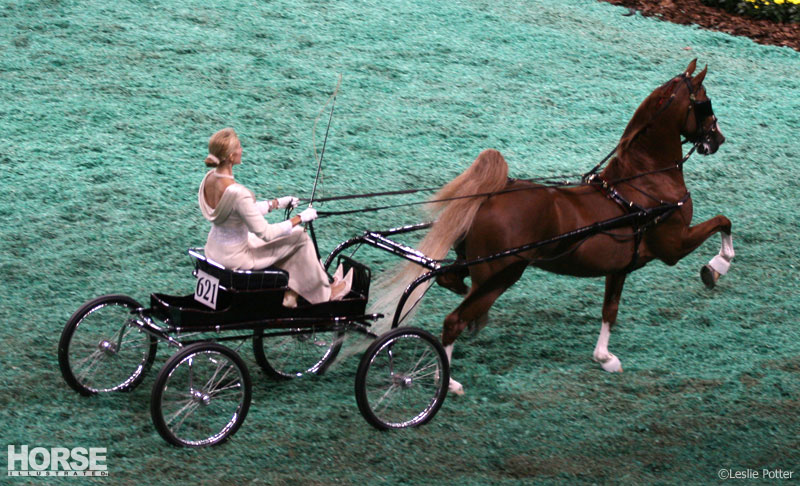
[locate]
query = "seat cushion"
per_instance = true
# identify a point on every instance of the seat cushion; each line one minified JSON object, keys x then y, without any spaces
{"x":267,"y":278}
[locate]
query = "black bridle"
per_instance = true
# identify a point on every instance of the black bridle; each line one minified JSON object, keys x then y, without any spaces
{"x":702,"y":111}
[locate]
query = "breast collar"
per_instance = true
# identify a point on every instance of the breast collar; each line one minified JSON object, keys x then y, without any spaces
{"x":645,"y":218}
{"x":611,"y":192}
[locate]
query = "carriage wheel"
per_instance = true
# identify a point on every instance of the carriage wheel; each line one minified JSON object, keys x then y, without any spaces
{"x":201,"y":395}
{"x":402,"y":379}
{"x":306,"y":351}
{"x":102,"y":350}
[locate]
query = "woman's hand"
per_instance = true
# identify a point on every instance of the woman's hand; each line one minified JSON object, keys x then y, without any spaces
{"x":308,"y":215}
{"x":287,"y":202}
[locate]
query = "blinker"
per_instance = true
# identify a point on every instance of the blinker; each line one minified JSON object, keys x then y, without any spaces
{"x":703,"y":109}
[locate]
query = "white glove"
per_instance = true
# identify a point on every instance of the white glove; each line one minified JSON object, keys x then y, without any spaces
{"x":287,"y":202}
{"x":307,"y":215}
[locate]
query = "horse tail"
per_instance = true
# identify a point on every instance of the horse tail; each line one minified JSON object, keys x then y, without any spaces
{"x":456,"y":211}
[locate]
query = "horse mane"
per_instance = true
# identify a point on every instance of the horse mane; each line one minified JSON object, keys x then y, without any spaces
{"x":644,"y":113}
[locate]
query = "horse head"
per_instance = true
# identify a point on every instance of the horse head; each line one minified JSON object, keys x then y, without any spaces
{"x":700,"y":125}
{"x":678,"y":108}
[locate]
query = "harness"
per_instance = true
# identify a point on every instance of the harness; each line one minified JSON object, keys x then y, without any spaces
{"x":641,"y":218}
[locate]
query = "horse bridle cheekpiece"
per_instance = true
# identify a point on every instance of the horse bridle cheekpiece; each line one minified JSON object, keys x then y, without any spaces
{"x":702,"y":110}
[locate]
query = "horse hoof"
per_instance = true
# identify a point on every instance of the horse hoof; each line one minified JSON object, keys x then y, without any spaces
{"x":455,"y":387}
{"x":476,"y":326}
{"x":612,"y":364}
{"x":709,"y":276}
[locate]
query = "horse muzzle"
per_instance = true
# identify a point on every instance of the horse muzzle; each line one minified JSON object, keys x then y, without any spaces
{"x":710,"y":141}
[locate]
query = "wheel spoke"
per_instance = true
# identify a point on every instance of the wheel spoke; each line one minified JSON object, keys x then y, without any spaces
{"x":390,"y":391}
{"x":175,"y":415}
{"x":189,"y":411}
{"x":233,"y":384}
{"x":232,"y":392}
{"x":416,"y":365}
{"x":422,"y":372}
{"x":426,"y":375}
{"x":210,"y":385}
{"x":95,"y":353}
{"x":96,"y":360}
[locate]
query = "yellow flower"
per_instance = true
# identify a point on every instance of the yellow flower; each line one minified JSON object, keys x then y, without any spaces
{"x":778,"y":2}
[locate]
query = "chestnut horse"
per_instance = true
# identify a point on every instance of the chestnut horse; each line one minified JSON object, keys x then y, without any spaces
{"x":645,"y":173}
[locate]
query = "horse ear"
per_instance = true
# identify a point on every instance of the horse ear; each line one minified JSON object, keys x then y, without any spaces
{"x":698,"y":80}
{"x":692,"y":66}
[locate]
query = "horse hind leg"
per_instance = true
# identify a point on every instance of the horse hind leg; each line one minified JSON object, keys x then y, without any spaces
{"x":454,"y":280}
{"x":608,"y":361}
{"x":720,"y":264}
{"x":474,"y":307}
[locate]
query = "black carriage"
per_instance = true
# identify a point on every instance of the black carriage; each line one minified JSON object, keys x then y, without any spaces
{"x":202,"y":393}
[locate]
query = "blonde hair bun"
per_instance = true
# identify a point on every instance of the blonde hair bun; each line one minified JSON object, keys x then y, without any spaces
{"x":212,"y":161}
{"x":220,"y":146}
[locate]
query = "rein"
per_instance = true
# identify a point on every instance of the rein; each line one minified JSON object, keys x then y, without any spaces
{"x":585,"y":179}
{"x":589,"y":178}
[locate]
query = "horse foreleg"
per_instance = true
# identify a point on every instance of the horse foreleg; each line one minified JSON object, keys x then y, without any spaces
{"x":474,"y":307}
{"x":720,"y":264}
{"x":692,"y":237}
{"x":608,"y":361}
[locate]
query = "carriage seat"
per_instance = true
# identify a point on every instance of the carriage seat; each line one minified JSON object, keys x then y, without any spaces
{"x":267,"y":278}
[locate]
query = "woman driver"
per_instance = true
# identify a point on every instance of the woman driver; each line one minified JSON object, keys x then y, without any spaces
{"x":241,"y":239}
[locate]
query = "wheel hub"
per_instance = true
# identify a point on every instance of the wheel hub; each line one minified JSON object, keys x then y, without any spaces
{"x":403,"y":381}
{"x":107,"y":347}
{"x":199,"y":397}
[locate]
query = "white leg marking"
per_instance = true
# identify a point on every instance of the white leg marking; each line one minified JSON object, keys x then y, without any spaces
{"x":722,"y":262}
{"x":608,"y":361}
{"x":454,"y":386}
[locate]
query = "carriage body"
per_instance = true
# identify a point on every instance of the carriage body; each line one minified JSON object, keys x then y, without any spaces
{"x":255,"y":298}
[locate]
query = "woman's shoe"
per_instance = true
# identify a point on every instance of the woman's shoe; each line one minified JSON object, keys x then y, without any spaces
{"x":290,"y":298}
{"x":339,"y":274}
{"x":340,"y":289}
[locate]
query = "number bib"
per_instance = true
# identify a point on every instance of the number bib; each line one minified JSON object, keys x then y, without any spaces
{"x":206,"y":290}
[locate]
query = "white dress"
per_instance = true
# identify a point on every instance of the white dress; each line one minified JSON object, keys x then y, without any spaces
{"x":241,"y":239}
